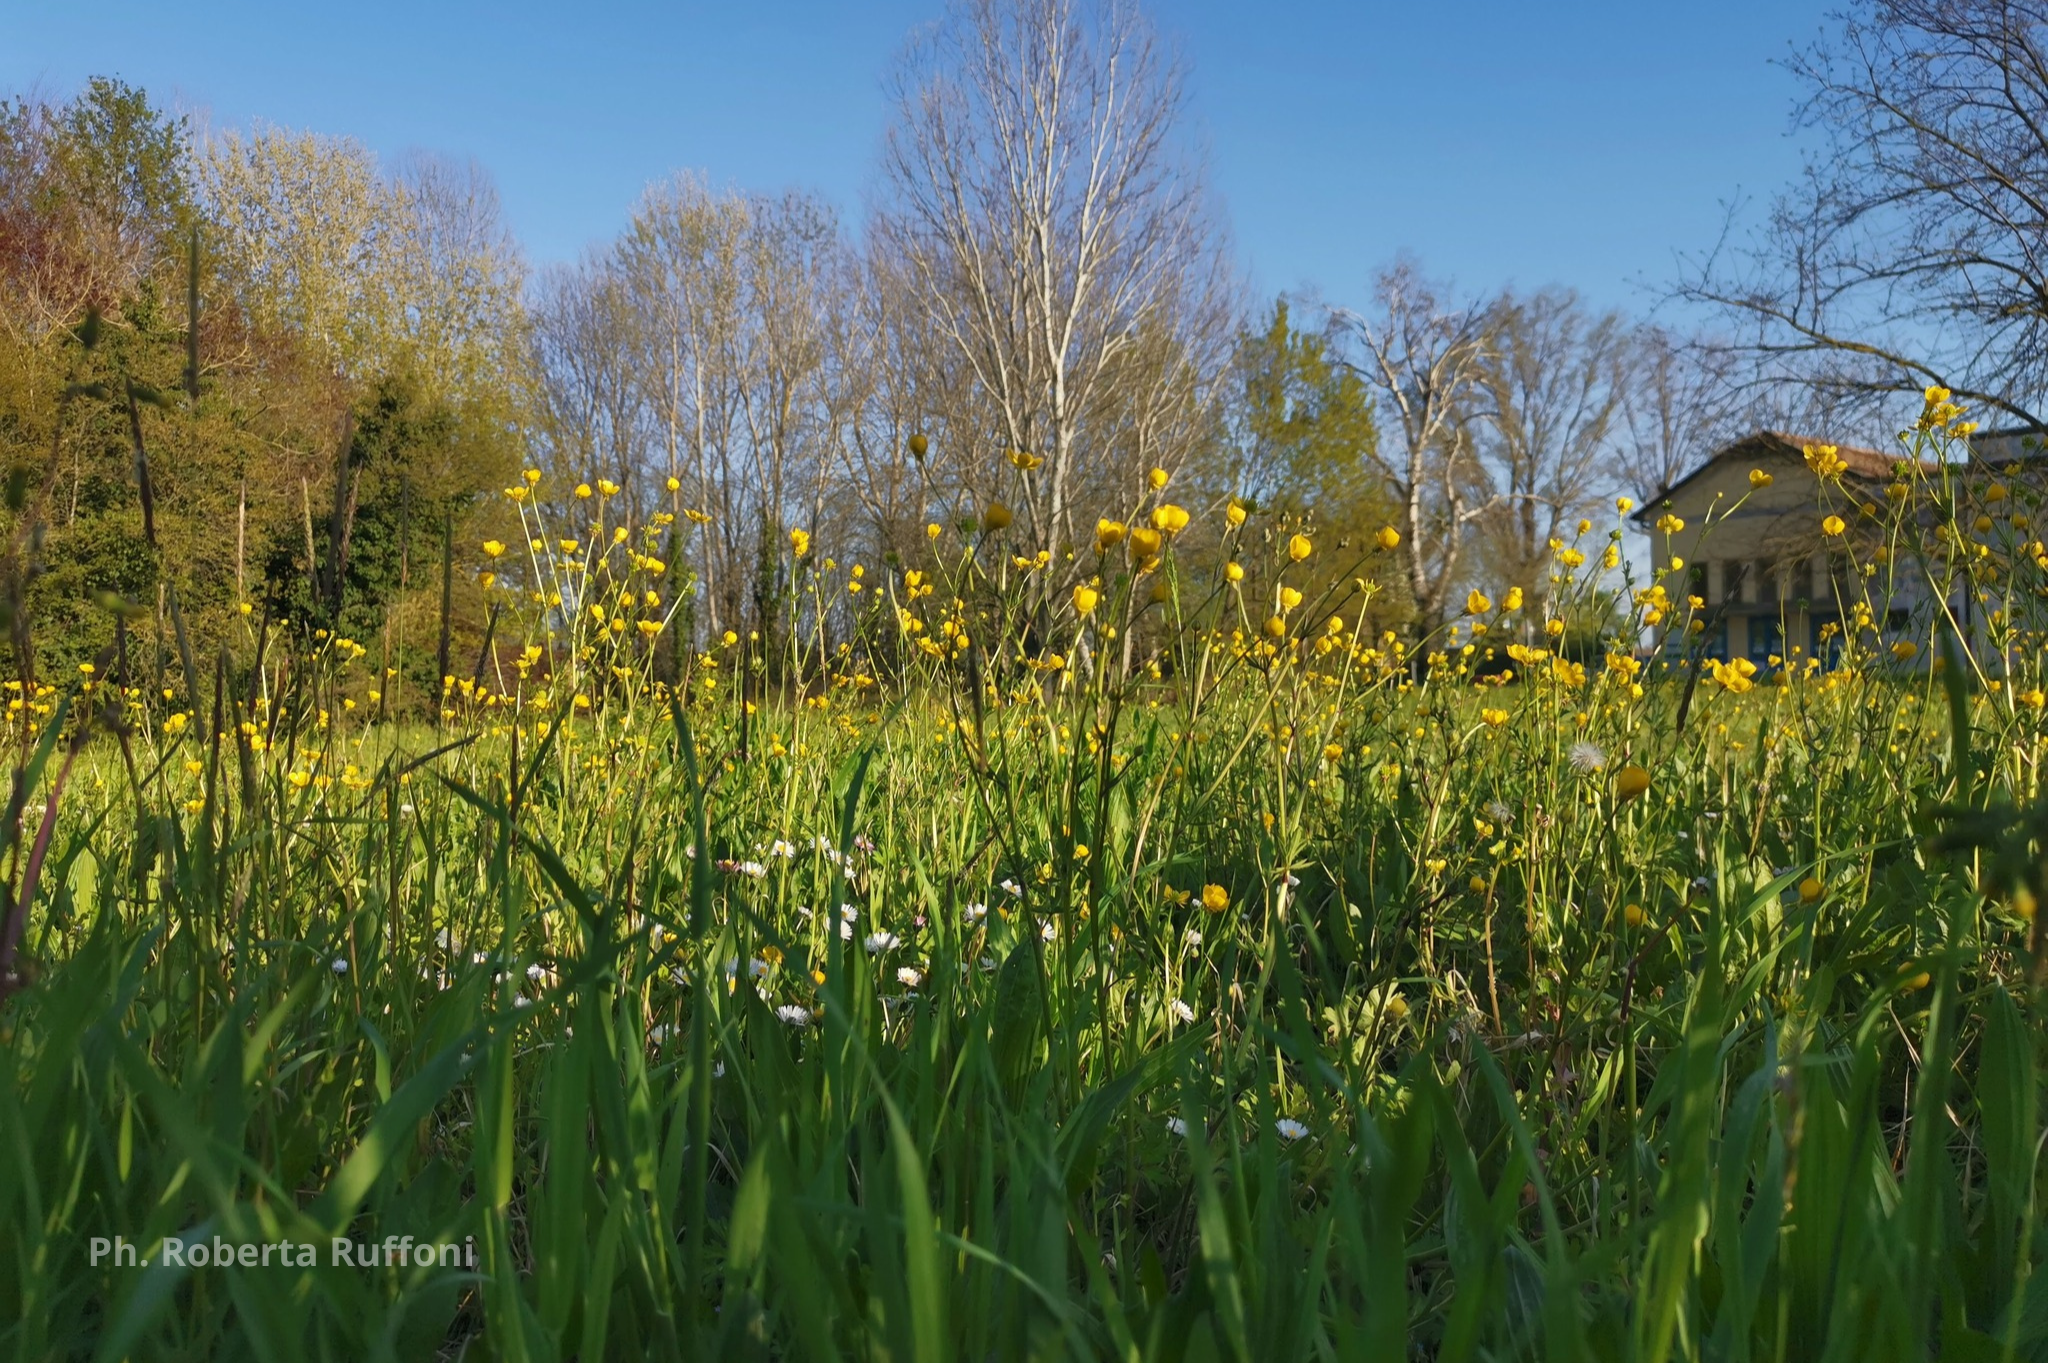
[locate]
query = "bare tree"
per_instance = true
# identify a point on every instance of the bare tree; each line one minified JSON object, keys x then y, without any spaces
{"x":721,"y":323}
{"x":1914,"y":250}
{"x":1552,"y":385}
{"x":912,"y":414}
{"x":1054,"y":238}
{"x":1684,"y":403}
{"x":1424,"y":354}
{"x":589,"y":409}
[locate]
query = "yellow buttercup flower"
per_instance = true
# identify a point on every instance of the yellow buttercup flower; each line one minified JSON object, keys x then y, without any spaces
{"x":1215,"y":898}
{"x":1669,"y":524}
{"x":1631,"y":781}
{"x":1169,"y":519}
{"x":1735,"y":674}
{"x":1289,"y":598}
{"x":1085,"y":598}
{"x":493,"y":548}
{"x":799,"y":542}
{"x":1832,"y":526}
{"x":1234,"y":571}
{"x":582,"y":490}
{"x":997,"y":517}
{"x":1825,"y":462}
{"x":1759,"y":479}
{"x":1389,"y":537}
{"x":1157,"y":478}
{"x":1108,"y":535}
{"x":1299,"y":547}
{"x":1477,"y":602}
{"x":1235,"y":512}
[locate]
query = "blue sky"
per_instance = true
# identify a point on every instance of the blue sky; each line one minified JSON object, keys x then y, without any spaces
{"x":1583,"y":144}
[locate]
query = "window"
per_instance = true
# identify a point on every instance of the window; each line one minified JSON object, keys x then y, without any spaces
{"x":1714,"y":643}
{"x":1696,"y":580}
{"x":1733,"y":575}
{"x":1766,"y":638}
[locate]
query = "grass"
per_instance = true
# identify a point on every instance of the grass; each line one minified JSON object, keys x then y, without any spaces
{"x":1234,"y":995}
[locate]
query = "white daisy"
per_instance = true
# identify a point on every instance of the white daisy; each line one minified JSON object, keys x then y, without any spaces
{"x":1289,"y":1129}
{"x":1180,"y":1009}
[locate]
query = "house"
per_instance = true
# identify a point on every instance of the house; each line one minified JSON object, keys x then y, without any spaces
{"x":1754,"y":553}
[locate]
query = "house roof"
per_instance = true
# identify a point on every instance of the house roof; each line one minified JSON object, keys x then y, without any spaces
{"x":2008,"y":446}
{"x":1863,"y":463}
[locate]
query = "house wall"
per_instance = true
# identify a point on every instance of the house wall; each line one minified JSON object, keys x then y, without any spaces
{"x":1758,"y":553}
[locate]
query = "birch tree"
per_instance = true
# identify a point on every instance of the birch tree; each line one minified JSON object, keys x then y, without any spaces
{"x":1552,"y":388}
{"x":1056,"y":241}
{"x":1423,"y":352}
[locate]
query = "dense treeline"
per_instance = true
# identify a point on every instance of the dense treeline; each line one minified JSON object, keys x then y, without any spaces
{"x":336,"y":365}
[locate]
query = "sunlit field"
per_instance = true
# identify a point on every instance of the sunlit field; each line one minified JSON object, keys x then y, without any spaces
{"x":1164,"y":967}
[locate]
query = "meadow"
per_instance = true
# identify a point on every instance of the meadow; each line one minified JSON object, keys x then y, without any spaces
{"x":1121,"y":954}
